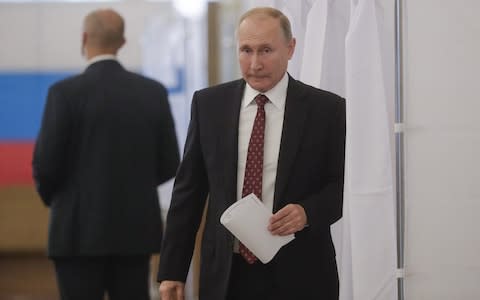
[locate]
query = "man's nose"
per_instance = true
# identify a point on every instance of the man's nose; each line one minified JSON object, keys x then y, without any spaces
{"x":256,"y":63}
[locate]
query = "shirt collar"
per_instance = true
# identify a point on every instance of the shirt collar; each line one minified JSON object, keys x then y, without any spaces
{"x":277,"y":95}
{"x":100,"y":58}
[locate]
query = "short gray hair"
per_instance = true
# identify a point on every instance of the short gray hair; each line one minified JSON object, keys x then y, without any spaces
{"x":273,"y":13}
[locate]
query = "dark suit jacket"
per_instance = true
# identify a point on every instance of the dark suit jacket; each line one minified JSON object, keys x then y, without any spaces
{"x":310,"y":173}
{"x":106,"y":142}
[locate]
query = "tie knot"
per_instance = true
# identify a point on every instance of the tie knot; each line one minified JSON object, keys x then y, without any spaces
{"x":261,"y":100}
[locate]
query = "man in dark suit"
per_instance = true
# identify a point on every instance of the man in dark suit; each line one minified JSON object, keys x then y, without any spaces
{"x":303,"y":133}
{"x":107,"y":140}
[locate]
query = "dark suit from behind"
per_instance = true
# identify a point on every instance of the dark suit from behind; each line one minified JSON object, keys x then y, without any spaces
{"x":309,"y":173}
{"x":106,"y":142}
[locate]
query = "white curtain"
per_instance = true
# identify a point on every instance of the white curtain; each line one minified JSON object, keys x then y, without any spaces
{"x":341,"y":47}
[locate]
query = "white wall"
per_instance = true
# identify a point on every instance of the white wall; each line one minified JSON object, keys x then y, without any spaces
{"x":47,"y":36}
{"x":442,"y":48}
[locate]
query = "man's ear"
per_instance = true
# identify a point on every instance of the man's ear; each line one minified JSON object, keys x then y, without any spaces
{"x":291,"y":47}
{"x":84,"y":42}
{"x":84,"y":39}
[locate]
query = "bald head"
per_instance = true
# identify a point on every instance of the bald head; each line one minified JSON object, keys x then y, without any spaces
{"x":103,"y":32}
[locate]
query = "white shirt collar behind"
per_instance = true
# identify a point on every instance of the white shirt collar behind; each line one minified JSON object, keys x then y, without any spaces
{"x":277,"y":95}
{"x":101,"y":57}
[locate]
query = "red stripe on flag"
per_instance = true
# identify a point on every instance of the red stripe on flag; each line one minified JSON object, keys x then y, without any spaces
{"x":16,"y":163}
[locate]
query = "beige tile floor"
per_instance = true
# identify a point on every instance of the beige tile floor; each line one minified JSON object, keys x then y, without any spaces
{"x":27,"y":277}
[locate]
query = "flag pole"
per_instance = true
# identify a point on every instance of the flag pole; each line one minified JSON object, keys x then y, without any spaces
{"x":399,"y":148}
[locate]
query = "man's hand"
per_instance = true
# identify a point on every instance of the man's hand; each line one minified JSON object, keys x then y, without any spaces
{"x":172,"y":290}
{"x":288,"y":220}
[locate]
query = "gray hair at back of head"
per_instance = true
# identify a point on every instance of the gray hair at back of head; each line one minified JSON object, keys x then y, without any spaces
{"x":273,"y":13}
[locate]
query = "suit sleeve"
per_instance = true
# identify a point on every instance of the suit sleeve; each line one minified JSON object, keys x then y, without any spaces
{"x":186,"y":208}
{"x":49,"y":156}
{"x":324,"y":207}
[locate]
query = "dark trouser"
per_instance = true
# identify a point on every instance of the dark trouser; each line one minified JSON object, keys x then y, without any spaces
{"x":121,"y":277}
{"x":249,"y":282}
{"x":262,"y":282}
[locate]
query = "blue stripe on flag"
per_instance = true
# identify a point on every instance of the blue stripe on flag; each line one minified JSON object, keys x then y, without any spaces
{"x":22,"y":98}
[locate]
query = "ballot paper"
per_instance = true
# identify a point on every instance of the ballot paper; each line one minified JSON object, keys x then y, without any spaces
{"x":248,"y":219}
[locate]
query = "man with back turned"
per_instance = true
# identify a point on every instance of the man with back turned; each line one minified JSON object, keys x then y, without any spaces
{"x":107,"y":140}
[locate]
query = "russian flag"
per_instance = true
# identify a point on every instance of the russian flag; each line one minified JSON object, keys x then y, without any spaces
{"x":22,"y":98}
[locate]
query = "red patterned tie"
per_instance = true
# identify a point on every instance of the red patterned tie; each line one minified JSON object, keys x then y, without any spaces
{"x":252,"y":182}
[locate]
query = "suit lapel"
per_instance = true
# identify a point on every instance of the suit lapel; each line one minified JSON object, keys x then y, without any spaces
{"x":229,"y":139}
{"x":294,"y":121}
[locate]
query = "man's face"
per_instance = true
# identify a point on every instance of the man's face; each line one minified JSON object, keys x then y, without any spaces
{"x":263,"y":52}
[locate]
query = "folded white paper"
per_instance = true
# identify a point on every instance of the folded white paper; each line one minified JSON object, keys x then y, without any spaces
{"x":248,"y":219}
